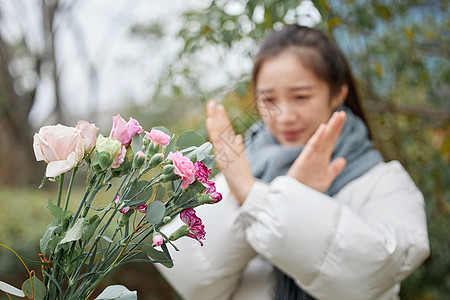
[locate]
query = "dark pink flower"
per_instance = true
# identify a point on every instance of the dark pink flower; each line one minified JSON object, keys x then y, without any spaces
{"x":194,"y":224}
{"x":201,"y":172}
{"x":142,"y":208}
{"x":158,"y":137}
{"x":183,"y":168}
{"x":216,"y":197}
{"x":125,"y":209}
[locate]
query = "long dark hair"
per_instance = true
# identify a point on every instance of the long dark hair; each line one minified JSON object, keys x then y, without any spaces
{"x":317,"y":52}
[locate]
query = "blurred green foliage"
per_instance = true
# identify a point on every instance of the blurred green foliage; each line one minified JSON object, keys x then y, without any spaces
{"x":399,"y":52}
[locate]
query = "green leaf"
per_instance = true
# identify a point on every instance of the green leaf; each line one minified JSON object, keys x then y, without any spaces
{"x":58,"y":211}
{"x":39,"y":288}
{"x":209,"y":161}
{"x":75,"y":233}
{"x":203,"y":151}
{"x":161,"y":193}
{"x":7,"y":288}
{"x":48,"y":235}
{"x":189,"y":138}
{"x":136,"y":143}
{"x":137,"y":195}
{"x":157,"y":256}
{"x":155,"y":212}
{"x":113,"y":292}
{"x":170,"y":147}
{"x":89,"y":227}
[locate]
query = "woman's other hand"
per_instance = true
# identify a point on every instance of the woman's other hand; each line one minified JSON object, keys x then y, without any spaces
{"x":314,"y":167}
{"x":229,"y":151}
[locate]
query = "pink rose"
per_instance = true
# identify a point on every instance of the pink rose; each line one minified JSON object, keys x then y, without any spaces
{"x":89,"y":134}
{"x":123,"y":131}
{"x":158,"y":137}
{"x":183,"y":167}
{"x":60,"y":146}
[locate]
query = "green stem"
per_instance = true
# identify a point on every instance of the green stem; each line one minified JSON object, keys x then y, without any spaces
{"x":69,"y":190}
{"x":61,"y":183}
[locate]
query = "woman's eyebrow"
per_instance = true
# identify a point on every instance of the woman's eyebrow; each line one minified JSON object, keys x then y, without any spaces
{"x":293,"y":88}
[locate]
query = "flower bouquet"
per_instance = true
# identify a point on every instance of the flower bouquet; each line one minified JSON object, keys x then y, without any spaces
{"x":154,"y":177}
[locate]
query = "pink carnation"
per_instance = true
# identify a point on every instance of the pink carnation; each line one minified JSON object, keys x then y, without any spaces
{"x":216,"y":197}
{"x":125,"y":209}
{"x":183,"y":167}
{"x":158,"y":240}
{"x":194,"y":224}
{"x":123,"y":131}
{"x":201,"y":172}
{"x":158,"y":137}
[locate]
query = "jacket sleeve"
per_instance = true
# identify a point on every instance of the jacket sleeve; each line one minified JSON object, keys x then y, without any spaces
{"x":211,"y":271}
{"x":340,"y":248}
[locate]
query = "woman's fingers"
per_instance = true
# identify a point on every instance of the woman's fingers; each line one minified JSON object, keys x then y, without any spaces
{"x":229,"y":151}
{"x":313,"y":167}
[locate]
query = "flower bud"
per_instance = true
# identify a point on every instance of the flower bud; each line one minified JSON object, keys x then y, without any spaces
{"x":156,"y":160}
{"x":169,"y":177}
{"x":152,"y":149}
{"x":180,"y":232}
{"x":138,"y":160}
{"x":158,"y":239}
{"x":125,"y":217}
{"x":166,"y":219}
{"x":168,"y":169}
{"x":204,"y":199}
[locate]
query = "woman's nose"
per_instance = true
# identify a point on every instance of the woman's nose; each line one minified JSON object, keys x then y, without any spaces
{"x":287,"y":113}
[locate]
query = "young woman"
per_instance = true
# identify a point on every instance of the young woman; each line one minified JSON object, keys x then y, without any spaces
{"x":310,"y":210}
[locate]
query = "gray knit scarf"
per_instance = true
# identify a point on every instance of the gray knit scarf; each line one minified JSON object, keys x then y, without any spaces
{"x":268,"y":159}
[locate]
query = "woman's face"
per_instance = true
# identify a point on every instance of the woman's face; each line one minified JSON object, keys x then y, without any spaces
{"x":292,"y":100}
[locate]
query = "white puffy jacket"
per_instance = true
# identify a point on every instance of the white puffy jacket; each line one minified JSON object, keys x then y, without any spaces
{"x":358,"y":244}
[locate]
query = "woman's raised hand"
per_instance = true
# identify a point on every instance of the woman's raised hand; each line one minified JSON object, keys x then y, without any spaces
{"x":229,"y":151}
{"x":314,"y":167}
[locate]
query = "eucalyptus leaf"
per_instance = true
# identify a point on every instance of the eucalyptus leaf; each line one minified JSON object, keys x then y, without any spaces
{"x":7,"y":288}
{"x":137,"y":195}
{"x":117,"y":292}
{"x":161,"y":193}
{"x":39,"y":290}
{"x":208,"y":161}
{"x":203,"y":151}
{"x":155,"y":212}
{"x":136,"y":143}
{"x":157,"y":256}
{"x":170,"y":147}
{"x":189,"y":138}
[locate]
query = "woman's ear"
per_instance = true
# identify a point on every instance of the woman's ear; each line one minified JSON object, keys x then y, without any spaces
{"x":340,"y":97}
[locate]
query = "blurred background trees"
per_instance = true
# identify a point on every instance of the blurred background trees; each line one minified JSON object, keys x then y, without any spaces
{"x":399,"y":51}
